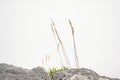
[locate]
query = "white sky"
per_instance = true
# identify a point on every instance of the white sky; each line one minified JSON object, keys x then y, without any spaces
{"x":26,"y":36}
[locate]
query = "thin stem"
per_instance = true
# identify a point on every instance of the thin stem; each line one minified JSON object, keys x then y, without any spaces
{"x":62,"y":46}
{"x":57,"y":44}
{"x":74,"y":44}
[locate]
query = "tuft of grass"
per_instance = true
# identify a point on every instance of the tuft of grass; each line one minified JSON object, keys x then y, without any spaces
{"x":54,"y":70}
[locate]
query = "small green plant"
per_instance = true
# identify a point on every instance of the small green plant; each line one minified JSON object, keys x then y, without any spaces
{"x":54,"y":70}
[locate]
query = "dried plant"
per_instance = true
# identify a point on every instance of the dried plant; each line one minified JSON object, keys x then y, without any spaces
{"x":60,"y":42}
{"x":57,"y":43}
{"x":75,"y":51}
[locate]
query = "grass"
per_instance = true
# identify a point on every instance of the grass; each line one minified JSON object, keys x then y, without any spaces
{"x":55,"y":32}
{"x":54,"y":70}
{"x":60,"y":44}
{"x":75,"y":51}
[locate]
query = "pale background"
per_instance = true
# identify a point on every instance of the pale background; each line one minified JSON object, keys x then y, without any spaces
{"x":26,"y":37}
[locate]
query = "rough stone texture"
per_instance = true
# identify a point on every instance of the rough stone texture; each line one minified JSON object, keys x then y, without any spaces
{"x":80,"y":74}
{"x":10,"y":72}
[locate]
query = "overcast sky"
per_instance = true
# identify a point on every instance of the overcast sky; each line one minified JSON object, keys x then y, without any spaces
{"x":26,"y":37}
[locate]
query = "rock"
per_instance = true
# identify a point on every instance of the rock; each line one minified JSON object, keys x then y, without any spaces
{"x":10,"y":72}
{"x":80,"y":74}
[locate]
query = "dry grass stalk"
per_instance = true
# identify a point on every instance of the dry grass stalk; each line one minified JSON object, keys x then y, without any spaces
{"x":62,"y":46}
{"x":75,"y":51}
{"x":46,"y":59}
{"x":57,"y":43}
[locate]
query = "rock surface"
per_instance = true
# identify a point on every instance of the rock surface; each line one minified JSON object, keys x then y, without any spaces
{"x":80,"y":74}
{"x":10,"y":72}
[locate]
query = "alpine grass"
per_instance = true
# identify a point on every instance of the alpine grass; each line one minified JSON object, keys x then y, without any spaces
{"x":59,"y":43}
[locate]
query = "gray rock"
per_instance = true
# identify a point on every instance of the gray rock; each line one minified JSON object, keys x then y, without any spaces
{"x":80,"y":74}
{"x":10,"y":72}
